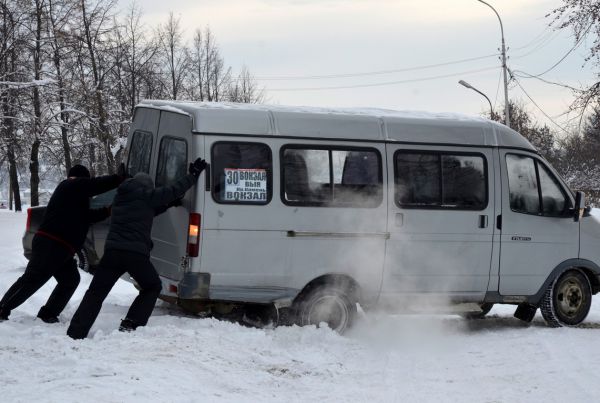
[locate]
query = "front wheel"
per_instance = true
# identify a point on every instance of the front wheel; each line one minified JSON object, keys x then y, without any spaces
{"x":567,"y":300}
{"x":332,"y":305}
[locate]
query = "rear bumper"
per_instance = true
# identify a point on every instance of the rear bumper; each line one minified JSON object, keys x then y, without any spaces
{"x":197,"y":287}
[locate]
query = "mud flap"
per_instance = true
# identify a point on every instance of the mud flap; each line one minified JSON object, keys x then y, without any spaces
{"x":525,"y":312}
{"x":194,"y":286}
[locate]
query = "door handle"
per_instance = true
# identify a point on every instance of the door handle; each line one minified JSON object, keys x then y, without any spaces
{"x":483,"y":221}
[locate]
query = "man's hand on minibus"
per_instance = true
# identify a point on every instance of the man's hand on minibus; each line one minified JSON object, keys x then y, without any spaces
{"x":197,"y":167}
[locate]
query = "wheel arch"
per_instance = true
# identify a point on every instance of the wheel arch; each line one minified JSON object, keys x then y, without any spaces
{"x":337,"y":279}
{"x":587,"y":267}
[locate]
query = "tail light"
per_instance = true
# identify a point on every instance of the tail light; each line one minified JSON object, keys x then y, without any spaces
{"x":193,"y":246}
{"x":28,"y":224}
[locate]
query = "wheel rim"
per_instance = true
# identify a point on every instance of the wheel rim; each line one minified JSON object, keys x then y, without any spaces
{"x":570,"y":297}
{"x":329,"y":309}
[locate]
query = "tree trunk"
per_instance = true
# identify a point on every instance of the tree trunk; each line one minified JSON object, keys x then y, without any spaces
{"x":34,"y":164}
{"x":10,"y":198}
{"x":92,"y":158}
{"x":34,"y":169}
{"x":66,"y":148}
{"x":8,"y":100}
{"x":14,"y":179}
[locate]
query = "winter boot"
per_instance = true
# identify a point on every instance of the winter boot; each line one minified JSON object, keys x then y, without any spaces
{"x":4,"y":314}
{"x":74,"y":335}
{"x":46,"y":316}
{"x":127,"y":325}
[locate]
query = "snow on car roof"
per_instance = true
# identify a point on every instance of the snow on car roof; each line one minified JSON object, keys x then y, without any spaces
{"x":360,"y":124}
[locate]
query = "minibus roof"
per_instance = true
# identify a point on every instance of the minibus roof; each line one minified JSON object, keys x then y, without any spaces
{"x":364,"y":124}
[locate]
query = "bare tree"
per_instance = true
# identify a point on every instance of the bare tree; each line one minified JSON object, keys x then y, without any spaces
{"x":58,"y":37}
{"x":139,"y":55}
{"x":12,"y":45}
{"x":582,"y":17}
{"x":170,"y":37}
{"x":36,"y":56}
{"x":217,"y":75}
{"x":71,"y":73}
{"x":245,"y":89}
{"x":95,"y":27}
{"x":197,"y":57}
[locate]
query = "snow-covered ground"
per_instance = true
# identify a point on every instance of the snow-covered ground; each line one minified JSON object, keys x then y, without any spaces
{"x":422,"y":358}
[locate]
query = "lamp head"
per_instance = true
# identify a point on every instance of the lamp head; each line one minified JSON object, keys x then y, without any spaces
{"x":465,"y":84}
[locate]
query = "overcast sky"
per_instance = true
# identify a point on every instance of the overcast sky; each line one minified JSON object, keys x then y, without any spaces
{"x":303,"y":38}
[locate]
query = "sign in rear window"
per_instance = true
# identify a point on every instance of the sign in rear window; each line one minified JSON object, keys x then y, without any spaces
{"x":245,"y":184}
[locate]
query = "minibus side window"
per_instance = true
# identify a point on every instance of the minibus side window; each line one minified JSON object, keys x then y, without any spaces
{"x":242,"y":173}
{"x":172,"y":161}
{"x":331,"y":177}
{"x":306,"y":175}
{"x":139,"y":154}
{"x":554,"y":202}
{"x":522,"y":183}
{"x":533,"y":188}
{"x":441,"y":180}
{"x":356,"y":178}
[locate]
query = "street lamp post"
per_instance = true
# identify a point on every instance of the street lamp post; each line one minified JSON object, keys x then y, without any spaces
{"x":504,"y":68}
{"x":469,"y":86}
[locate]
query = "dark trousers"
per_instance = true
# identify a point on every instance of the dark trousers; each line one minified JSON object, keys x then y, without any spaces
{"x":113,"y":265}
{"x":49,"y":259}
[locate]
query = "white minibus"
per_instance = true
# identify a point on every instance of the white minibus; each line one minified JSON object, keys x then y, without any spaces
{"x":313,"y":211}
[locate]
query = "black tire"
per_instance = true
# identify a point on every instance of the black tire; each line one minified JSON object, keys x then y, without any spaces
{"x":82,"y":260}
{"x":486,"y":307}
{"x":331,"y":304}
{"x":567,"y":300}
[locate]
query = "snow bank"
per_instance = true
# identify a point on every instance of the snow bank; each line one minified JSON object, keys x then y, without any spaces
{"x":385,"y":358}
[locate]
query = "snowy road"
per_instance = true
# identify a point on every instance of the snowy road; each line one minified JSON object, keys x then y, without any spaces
{"x":418,"y":358}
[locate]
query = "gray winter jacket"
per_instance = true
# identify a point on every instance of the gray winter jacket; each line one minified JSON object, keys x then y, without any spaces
{"x":134,"y":208}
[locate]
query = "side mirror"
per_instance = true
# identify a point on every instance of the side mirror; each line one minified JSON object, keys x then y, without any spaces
{"x":579,"y":209}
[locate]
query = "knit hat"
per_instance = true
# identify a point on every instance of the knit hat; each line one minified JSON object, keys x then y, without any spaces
{"x":144,"y":179}
{"x":79,"y":171}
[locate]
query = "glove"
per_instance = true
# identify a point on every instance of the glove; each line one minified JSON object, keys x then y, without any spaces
{"x":122,"y":172}
{"x":197,"y":167}
{"x":175,"y":203}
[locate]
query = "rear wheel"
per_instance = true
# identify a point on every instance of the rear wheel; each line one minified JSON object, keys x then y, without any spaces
{"x":328,"y":304}
{"x":567,"y":300}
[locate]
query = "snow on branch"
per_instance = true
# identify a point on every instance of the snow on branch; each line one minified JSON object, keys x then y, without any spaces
{"x":27,"y":84}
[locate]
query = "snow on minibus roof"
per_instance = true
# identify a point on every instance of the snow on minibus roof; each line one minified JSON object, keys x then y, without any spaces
{"x":342,"y":123}
{"x":188,"y":107}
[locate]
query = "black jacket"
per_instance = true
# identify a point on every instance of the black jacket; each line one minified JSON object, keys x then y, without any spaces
{"x":68,"y":215}
{"x":133,"y":211}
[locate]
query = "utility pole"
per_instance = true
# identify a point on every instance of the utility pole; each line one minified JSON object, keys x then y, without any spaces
{"x":504,"y":67}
